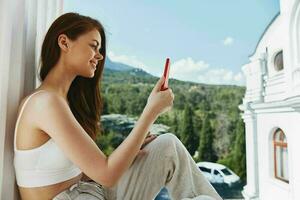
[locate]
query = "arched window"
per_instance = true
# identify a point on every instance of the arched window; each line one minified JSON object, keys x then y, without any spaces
{"x":280,"y":156}
{"x":278,"y":61}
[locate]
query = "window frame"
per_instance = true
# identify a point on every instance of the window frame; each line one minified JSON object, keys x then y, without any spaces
{"x":274,"y":61}
{"x":281,"y":144}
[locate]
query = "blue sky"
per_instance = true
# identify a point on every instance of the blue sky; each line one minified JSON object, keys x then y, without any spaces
{"x":207,"y":41}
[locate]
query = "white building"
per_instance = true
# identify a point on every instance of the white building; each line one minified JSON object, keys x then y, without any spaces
{"x":272,"y":109}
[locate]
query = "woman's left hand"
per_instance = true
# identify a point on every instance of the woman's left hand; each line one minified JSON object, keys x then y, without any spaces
{"x":150,"y":137}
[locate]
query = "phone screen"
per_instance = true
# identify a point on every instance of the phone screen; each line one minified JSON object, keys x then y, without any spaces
{"x":166,"y":75}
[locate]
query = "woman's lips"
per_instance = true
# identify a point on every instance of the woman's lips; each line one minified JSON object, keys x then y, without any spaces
{"x":94,"y":64}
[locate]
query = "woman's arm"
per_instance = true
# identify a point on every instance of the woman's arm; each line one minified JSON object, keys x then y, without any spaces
{"x":121,"y":159}
{"x":123,"y":156}
{"x":51,"y":114}
{"x":85,"y":177}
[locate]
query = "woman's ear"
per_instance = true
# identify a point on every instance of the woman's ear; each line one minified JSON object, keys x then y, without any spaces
{"x":63,"y":42}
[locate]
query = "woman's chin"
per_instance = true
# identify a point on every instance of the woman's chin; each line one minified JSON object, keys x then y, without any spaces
{"x":92,"y":71}
{"x":91,"y":74}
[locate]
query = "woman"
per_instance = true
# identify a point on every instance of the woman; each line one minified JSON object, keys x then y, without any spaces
{"x":55,"y":153}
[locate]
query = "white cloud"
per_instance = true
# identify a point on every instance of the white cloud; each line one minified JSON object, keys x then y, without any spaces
{"x":238,"y":77}
{"x":187,"y":69}
{"x":201,"y":72}
{"x":128,"y":60}
{"x":221,"y":76}
{"x":228,"y":41}
{"x":188,"y":65}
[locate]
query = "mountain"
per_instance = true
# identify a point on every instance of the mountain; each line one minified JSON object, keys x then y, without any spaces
{"x":115,"y":72}
{"x":117,"y":66}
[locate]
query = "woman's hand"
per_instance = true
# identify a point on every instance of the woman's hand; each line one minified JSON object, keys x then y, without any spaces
{"x":160,"y":101}
{"x":148,"y":139}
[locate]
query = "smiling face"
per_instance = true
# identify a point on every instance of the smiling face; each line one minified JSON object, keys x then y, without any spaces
{"x":82,"y":55}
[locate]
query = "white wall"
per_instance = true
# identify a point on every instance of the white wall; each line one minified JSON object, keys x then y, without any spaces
{"x":22,"y":27}
{"x":272,"y":100}
{"x":270,"y":187}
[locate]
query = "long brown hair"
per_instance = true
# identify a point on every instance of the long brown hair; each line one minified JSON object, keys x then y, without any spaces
{"x":84,"y":94}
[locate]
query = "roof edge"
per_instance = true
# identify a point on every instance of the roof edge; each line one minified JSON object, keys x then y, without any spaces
{"x":262,"y":35}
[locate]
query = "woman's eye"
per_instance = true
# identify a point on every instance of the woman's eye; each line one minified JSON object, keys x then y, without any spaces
{"x":94,"y":46}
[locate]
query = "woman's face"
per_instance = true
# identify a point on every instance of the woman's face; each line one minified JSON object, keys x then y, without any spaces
{"x":83,"y":55}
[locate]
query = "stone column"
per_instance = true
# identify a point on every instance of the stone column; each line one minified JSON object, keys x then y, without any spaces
{"x":251,"y":190}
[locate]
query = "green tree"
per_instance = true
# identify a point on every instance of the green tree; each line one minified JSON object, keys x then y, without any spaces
{"x":105,"y":106}
{"x":206,"y":152}
{"x":239,"y":150}
{"x":236,"y":160}
{"x":188,"y":135}
{"x":179,"y":101}
{"x":205,"y":105}
{"x":175,"y":125}
{"x":120,"y":104}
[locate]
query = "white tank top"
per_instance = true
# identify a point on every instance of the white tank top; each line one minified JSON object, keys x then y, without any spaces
{"x":41,"y":166}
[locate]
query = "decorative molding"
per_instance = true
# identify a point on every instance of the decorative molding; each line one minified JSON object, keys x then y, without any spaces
{"x":275,"y":87}
{"x":291,"y":104}
{"x":294,"y":26}
{"x":296,"y":77}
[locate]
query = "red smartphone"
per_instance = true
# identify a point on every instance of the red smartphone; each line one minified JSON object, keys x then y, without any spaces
{"x":166,"y":75}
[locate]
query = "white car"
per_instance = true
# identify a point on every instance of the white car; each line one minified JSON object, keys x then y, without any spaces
{"x":218,"y":173}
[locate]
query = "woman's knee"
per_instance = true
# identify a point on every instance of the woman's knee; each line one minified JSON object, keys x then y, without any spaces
{"x":168,"y":142}
{"x":169,"y":138}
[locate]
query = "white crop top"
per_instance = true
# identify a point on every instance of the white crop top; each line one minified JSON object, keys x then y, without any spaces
{"x":41,"y":166}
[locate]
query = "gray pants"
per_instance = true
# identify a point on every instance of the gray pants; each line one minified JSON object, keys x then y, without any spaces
{"x":168,"y":163}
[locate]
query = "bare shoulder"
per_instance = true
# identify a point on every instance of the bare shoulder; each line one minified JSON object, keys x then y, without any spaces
{"x":48,"y":100}
{"x":30,"y":133}
{"x":41,"y":104}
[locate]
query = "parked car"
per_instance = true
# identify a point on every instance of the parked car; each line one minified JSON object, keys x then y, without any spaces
{"x":218,"y":173}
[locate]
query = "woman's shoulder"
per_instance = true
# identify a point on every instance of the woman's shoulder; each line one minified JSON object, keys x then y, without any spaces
{"x":26,"y":100}
{"x":40,"y":100}
{"x":41,"y":108}
{"x":42,"y":96}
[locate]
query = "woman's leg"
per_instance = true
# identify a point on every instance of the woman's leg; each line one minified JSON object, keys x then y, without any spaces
{"x":169,"y":164}
{"x":82,"y":191}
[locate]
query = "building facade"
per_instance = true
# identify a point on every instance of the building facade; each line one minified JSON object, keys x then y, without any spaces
{"x":271,"y":109}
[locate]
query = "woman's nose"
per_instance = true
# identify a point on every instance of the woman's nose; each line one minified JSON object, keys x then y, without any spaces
{"x":99,"y":57}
